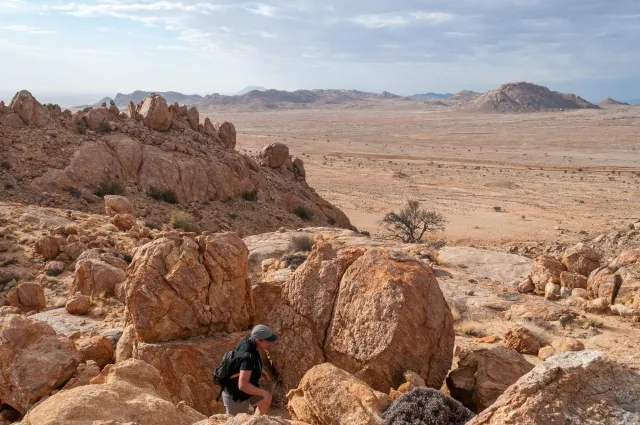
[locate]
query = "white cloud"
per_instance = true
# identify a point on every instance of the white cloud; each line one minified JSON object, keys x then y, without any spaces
{"x":262,"y":9}
{"x":120,"y":10}
{"x":28,"y":29}
{"x":435,"y":17}
{"x":103,"y":29}
{"x":171,"y":47}
{"x":379,"y":21}
{"x":265,"y":34}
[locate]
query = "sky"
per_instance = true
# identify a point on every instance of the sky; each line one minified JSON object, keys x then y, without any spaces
{"x":100,"y":47}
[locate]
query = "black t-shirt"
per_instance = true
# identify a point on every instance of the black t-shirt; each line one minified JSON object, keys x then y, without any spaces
{"x":247,"y":357}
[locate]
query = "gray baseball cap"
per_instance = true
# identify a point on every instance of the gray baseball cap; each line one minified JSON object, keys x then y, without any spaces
{"x":263,"y":332}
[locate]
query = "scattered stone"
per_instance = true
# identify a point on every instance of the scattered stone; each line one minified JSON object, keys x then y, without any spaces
{"x":572,"y":281}
{"x":123,"y":222}
{"x":47,"y":247}
{"x":97,"y":348}
{"x":54,"y":268}
{"x":562,"y":345}
{"x":544,"y":269}
{"x":486,"y":339}
{"x":581,"y":259}
{"x":521,"y":340}
{"x":584,"y":387}
{"x":98,"y":273}
{"x":526,"y":286}
{"x":78,"y":304}
{"x":116,"y":204}
{"x":546,"y":352}
{"x":483,"y":375}
{"x":27,"y":297}
{"x":552,"y":291}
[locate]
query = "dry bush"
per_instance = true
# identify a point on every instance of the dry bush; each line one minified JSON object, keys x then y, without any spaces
{"x":302,"y":242}
{"x":165,"y":195}
{"x":412,"y":222}
{"x":457,"y":316}
{"x":185,"y":221}
{"x":472,"y":329}
{"x":426,"y":406}
{"x":539,"y":332}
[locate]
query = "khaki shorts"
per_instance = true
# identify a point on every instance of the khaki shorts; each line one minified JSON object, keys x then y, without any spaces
{"x":237,"y":407}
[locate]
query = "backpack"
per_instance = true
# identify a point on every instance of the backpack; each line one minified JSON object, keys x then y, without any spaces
{"x":223,"y":371}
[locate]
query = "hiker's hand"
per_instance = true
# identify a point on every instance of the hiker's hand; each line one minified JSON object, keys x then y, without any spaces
{"x":265,"y":377}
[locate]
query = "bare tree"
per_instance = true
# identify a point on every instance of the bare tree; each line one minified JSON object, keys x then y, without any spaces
{"x":412,"y":222}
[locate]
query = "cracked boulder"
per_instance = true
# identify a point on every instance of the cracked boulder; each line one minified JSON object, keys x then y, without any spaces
{"x":181,"y":287}
{"x":583,"y":387}
{"x":99,"y":273}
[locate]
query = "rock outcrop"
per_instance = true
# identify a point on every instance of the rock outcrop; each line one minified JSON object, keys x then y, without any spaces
{"x":329,"y":395}
{"x":129,"y":392}
{"x":546,"y":269}
{"x":180,"y":287}
{"x":116,"y":204}
{"x":155,"y":112}
{"x":578,"y":387}
{"x":29,"y":109}
{"x":98,"y":273}
{"x":626,"y":269}
{"x":34,"y":361}
{"x":581,"y":259}
{"x":275,"y":155}
{"x":483,"y":375}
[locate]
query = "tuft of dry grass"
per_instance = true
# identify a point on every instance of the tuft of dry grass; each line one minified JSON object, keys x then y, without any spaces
{"x":302,"y":242}
{"x":471,"y":328}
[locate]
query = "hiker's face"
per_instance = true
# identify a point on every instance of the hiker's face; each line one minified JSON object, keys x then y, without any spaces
{"x":263,"y":344}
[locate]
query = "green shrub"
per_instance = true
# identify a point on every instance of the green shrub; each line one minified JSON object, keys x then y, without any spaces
{"x":73,"y":191}
{"x":164,"y":195}
{"x":251,"y":195}
{"x":302,"y":242}
{"x":185,"y":221}
{"x":303,"y":212}
{"x":331,"y":221}
{"x":497,"y":209}
{"x":104,"y":127}
{"x":109,"y":188}
{"x":365,"y":233}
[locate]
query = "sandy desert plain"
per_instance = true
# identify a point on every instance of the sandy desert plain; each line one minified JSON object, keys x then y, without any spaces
{"x":552,"y":174}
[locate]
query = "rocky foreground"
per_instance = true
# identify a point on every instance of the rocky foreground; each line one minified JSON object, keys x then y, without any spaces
{"x":105,"y":320}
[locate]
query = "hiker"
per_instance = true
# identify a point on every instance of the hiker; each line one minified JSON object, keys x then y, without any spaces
{"x":242,"y":387}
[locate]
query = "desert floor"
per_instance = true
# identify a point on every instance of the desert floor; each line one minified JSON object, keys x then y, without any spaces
{"x":553,"y":175}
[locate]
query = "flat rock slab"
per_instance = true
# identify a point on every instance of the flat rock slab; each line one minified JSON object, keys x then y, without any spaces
{"x":499,"y":267}
{"x":66,"y":324}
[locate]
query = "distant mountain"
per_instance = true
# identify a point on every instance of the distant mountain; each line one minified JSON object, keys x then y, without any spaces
{"x":525,"y":97}
{"x":122,"y":100}
{"x":610,"y":101}
{"x":249,"y":89}
{"x":464,"y":95}
{"x":633,"y":101}
{"x":431,"y":95}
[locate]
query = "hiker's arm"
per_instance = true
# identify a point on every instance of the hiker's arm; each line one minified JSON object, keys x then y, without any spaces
{"x":247,"y":387}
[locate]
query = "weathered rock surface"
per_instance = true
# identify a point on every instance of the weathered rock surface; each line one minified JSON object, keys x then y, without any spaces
{"x":29,"y":109}
{"x":129,"y":392}
{"x":47,"y":247}
{"x":484,"y":264}
{"x":389,"y":316}
{"x":181,"y":287}
{"x":33,"y":361}
{"x":274,"y":155}
{"x":581,"y":259}
{"x":582,"y":388}
{"x":544,"y":269}
{"x":627,"y":267}
{"x":521,"y":340}
{"x":227,"y":134}
{"x":83,"y":375}
{"x":27,"y":297}
{"x":483,"y":375}
{"x":98,"y":273}
{"x":572,"y":281}
{"x":97,"y":348}
{"x":123,"y":222}
{"x":78,"y":304}
{"x":329,"y":395}
{"x":116,"y":204}
{"x":187,"y":367}
{"x":155,"y":112}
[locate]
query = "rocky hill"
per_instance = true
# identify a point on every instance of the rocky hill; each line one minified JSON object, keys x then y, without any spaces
{"x":162,"y":157}
{"x":524,"y":97}
{"x":610,"y":101}
{"x":122,"y":100}
{"x":432,"y":95}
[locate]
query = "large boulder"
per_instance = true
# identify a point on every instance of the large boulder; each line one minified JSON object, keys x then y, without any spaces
{"x":390,"y":316}
{"x":155,"y":112}
{"x":97,"y":348}
{"x":47,"y":247}
{"x":33,"y":361}
{"x":193,"y":117}
{"x":626,"y":269}
{"x":581,"y":259}
{"x":426,"y":406}
{"x":99,"y":273}
{"x":129,"y":392}
{"x":329,"y":395}
{"x":27,"y":297}
{"x":116,"y":204}
{"x":274,"y":155}
{"x":187,"y":367}
{"x":227,"y":134}
{"x":483,"y":375}
{"x":29,"y":109}
{"x":573,"y":281}
{"x":95,"y":117}
{"x":521,"y":340}
{"x":544,"y":269}
{"x":181,"y":287}
{"x":582,"y":387}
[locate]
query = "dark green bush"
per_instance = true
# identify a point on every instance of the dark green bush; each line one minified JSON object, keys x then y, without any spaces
{"x":73,"y":191}
{"x":331,"y":221}
{"x":109,"y":188}
{"x":104,"y":127}
{"x":303,"y":212}
{"x":164,"y":195}
{"x":251,"y":195}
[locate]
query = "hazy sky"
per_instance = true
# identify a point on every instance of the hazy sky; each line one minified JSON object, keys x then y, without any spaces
{"x":403,"y":46}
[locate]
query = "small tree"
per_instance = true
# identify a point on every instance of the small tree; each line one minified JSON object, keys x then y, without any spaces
{"x":412,"y":222}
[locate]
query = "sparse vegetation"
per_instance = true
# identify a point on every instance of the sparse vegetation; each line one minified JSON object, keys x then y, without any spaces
{"x":185,"y":221}
{"x":471,"y":329}
{"x":302,"y":242}
{"x":73,"y":191}
{"x":104,"y":127}
{"x":5,"y":165}
{"x":412,"y":222}
{"x":250,"y":195}
{"x":293,"y":261}
{"x":365,"y":233}
{"x":109,"y":188}
{"x":164,"y":195}
{"x":303,"y":212}
{"x":497,"y":209}
{"x":331,"y":221}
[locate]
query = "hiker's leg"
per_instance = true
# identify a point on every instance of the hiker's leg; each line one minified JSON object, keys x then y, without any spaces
{"x":262,"y":404}
{"x":234,"y":407}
